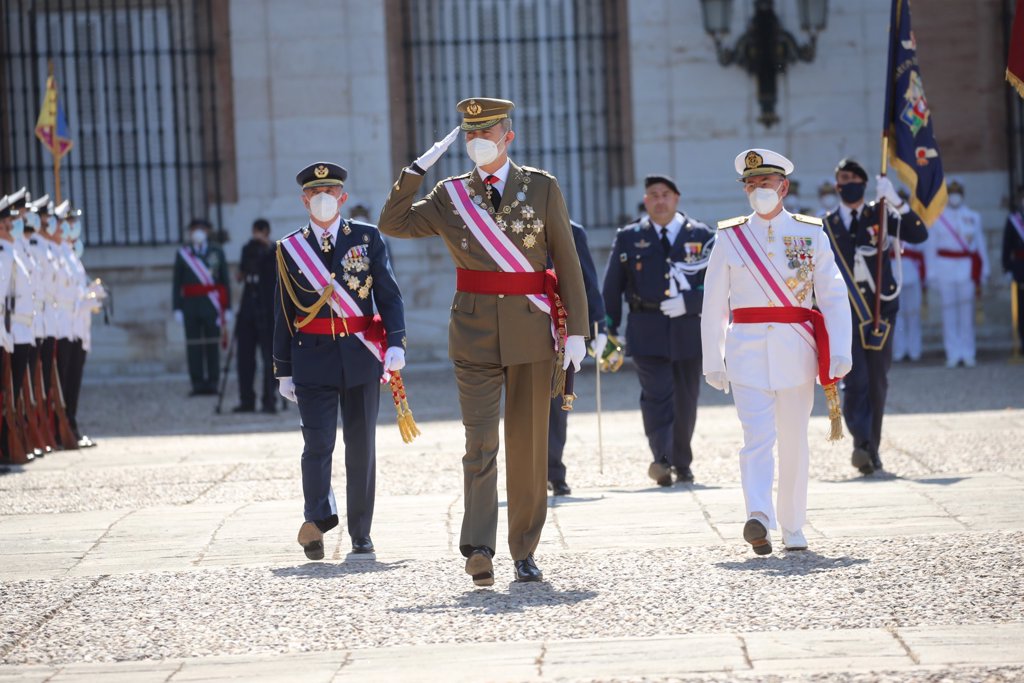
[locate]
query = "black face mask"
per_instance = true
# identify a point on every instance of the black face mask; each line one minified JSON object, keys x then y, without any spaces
{"x":851,"y":193}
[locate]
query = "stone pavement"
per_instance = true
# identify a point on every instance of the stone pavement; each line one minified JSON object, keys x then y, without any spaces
{"x":168,"y":553}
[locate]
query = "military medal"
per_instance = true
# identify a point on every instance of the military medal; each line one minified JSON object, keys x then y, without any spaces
{"x":325,"y":242}
{"x":464,"y":244}
{"x":799,"y":257}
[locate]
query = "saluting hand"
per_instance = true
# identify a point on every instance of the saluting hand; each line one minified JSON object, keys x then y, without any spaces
{"x":430,"y":157}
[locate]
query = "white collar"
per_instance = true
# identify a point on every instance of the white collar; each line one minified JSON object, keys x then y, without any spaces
{"x":673,"y":227}
{"x":756,"y":221}
{"x":501,"y":173}
{"x":846,"y":213}
{"x":332,"y":228}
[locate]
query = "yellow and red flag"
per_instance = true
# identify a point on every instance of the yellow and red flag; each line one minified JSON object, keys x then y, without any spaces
{"x":1015,"y":59}
{"x":52,"y":125}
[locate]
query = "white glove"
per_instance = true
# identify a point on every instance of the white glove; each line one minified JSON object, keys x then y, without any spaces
{"x":430,"y":157}
{"x":597,"y":346}
{"x":885,"y":190}
{"x":839,"y":366}
{"x":179,"y":317}
{"x":394,"y":359}
{"x":575,"y":352}
{"x":718,"y":380}
{"x":674,"y":307}
{"x":286,"y":386}
{"x":228,"y":317}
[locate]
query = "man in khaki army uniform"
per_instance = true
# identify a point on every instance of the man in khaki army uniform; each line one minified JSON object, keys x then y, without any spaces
{"x":501,"y":222}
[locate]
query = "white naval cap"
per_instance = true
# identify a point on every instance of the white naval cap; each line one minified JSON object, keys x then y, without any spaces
{"x":755,"y":162}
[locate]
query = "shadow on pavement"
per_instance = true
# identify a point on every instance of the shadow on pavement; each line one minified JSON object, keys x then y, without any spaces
{"x":797,"y":563}
{"x":331,"y":570}
{"x":557,"y":501}
{"x":520,"y":596}
{"x":940,"y":481}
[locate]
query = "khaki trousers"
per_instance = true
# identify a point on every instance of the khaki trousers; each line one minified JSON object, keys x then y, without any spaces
{"x":527,"y":401}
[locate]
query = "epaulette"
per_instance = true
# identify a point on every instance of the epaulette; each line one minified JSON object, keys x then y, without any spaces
{"x":631,"y":227}
{"x":362,"y":224}
{"x":699,"y":224}
{"x":810,"y":220}
{"x":732,"y":222}
{"x":456,"y":177}
{"x":293,"y":232}
{"x":531,"y":169}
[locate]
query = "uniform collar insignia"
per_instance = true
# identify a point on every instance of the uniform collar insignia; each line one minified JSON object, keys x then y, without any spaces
{"x":642,"y":244}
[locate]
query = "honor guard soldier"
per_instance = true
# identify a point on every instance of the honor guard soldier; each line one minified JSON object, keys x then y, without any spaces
{"x":559,"y":418}
{"x":906,"y":335}
{"x":853,"y":230}
{"x":958,"y":268}
{"x":657,"y":265}
{"x":12,"y":445}
{"x":501,"y":223}
{"x":329,"y":349}
{"x":253,"y":329}
{"x":768,"y":269}
{"x":1013,"y":262}
{"x":201,"y":299}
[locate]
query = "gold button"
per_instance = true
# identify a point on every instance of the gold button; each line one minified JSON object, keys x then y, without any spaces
{"x":771,"y":327}
{"x":771,"y":254}
{"x":300,"y":343}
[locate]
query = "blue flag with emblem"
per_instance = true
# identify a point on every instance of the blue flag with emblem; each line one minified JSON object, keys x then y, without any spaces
{"x":909,"y":133}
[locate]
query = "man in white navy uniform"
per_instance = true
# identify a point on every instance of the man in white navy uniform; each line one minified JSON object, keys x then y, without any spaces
{"x":767,"y":269}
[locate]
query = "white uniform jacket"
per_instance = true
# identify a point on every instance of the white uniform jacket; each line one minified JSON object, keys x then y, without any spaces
{"x":967,"y":225}
{"x":6,"y":283}
{"x":772,"y":356}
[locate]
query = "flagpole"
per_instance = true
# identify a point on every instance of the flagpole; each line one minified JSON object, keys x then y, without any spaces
{"x":883,"y":213}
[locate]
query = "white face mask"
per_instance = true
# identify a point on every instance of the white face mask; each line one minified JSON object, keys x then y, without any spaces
{"x":198,"y":237}
{"x":829,"y":201}
{"x":482,"y":151}
{"x":51,"y":225}
{"x":956,"y":199}
{"x":32,"y":220}
{"x":18,"y":227}
{"x":79,"y":247}
{"x":323,"y":207}
{"x":763,"y":200}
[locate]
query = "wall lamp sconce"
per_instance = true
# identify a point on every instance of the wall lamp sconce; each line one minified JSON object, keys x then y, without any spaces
{"x":766,"y":48}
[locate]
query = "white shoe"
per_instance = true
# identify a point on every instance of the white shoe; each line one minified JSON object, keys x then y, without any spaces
{"x":794,"y":540}
{"x":952,"y":363}
{"x":970,"y":363}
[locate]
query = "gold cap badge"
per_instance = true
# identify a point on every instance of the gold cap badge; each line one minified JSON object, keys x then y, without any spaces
{"x":473,"y":108}
{"x":754,"y":159}
{"x":320,"y":171}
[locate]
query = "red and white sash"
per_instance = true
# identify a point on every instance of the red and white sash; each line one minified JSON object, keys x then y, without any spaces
{"x":1018,"y":224}
{"x":767,"y":277}
{"x":952,"y":231}
{"x":319,"y":278}
{"x":204,"y":276}
{"x":494,"y":241}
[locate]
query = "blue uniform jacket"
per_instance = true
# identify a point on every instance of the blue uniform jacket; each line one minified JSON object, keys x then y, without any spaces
{"x":316,"y":359}
{"x":595,"y":306}
{"x":638,"y":272}
{"x":908,"y":227}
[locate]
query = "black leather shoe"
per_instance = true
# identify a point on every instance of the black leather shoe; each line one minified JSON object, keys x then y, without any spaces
{"x":480,"y":567}
{"x":684,"y":476}
{"x":243,"y":409}
{"x":861,"y":459}
{"x":661,"y":473}
{"x":527,"y":570}
{"x":756,"y":534}
{"x":876,"y":462}
{"x":269,"y":410}
{"x":312,"y":541}
{"x":362,"y":545}
{"x":560,"y":488}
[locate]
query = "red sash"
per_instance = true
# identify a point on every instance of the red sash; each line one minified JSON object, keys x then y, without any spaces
{"x":794,"y":314}
{"x":195,"y":291}
{"x":975,"y":262}
{"x":512,"y":284}
{"x":342,"y":327}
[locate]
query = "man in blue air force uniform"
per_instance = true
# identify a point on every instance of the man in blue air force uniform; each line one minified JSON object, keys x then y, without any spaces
{"x":853,"y":229}
{"x":657,"y":265}
{"x":319,"y":360}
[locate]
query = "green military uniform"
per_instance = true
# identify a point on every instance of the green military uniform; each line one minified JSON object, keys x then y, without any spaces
{"x":203,"y":322}
{"x":497,"y":340}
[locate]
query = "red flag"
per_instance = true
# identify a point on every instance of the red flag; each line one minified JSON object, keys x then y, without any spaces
{"x":1015,"y":60}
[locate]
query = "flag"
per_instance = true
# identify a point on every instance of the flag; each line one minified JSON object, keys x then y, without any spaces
{"x":1015,"y":60}
{"x":52,"y":125}
{"x":908,"y":128}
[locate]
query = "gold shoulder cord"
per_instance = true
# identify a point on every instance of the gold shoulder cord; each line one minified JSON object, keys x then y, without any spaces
{"x":288,"y":283}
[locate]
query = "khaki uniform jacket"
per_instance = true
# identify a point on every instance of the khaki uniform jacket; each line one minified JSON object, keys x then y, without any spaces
{"x":488,"y":328}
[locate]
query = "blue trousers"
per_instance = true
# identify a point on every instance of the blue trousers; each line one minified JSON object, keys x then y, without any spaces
{"x":318,"y":409}
{"x":864,"y":391}
{"x":669,"y":390}
{"x":557,"y":421}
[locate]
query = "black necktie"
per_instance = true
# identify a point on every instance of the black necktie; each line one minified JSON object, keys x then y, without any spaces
{"x":664,"y":240}
{"x":854,"y":225}
{"x":492,"y":181}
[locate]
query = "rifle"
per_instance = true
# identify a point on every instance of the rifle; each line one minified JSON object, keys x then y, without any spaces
{"x":29,"y":412}
{"x":227,"y":370}
{"x":67,"y":439}
{"x":17,"y":451}
{"x":43,"y":412}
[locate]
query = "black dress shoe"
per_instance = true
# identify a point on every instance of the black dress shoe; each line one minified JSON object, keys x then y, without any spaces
{"x":876,"y":462}
{"x":480,"y":567}
{"x":861,"y":459}
{"x":684,"y":476}
{"x":560,"y":488}
{"x":243,"y":409}
{"x":756,"y":534}
{"x":269,"y":410}
{"x":362,"y":545}
{"x":660,"y":472}
{"x":527,"y":570}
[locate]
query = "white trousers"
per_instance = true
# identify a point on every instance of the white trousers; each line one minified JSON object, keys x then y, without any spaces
{"x":906,"y":340}
{"x":767,"y":417}
{"x":958,"y":320}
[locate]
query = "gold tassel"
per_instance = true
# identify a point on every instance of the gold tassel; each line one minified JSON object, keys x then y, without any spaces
{"x":558,"y":380}
{"x":406,"y":424}
{"x":835,"y":413}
